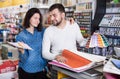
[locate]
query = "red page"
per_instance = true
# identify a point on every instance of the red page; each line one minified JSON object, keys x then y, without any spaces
{"x":74,"y":60}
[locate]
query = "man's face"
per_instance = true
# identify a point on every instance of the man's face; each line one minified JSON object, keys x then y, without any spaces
{"x":56,"y":17}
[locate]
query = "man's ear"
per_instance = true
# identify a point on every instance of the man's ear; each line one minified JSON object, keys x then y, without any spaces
{"x":63,"y":15}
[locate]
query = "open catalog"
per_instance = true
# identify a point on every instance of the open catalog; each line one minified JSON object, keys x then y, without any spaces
{"x":78,"y":61}
{"x":20,"y":45}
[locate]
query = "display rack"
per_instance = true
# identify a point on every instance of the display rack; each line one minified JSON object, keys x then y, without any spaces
{"x":110,"y":24}
{"x":97,"y":14}
{"x":84,"y":21}
{"x":83,"y":16}
{"x":69,"y":10}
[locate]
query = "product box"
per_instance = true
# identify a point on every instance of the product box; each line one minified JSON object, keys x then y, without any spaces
{"x":7,"y":66}
{"x":9,"y":52}
{"x":8,"y":69}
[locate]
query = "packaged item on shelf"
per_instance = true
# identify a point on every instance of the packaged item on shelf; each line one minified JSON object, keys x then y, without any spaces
{"x":9,"y":52}
{"x":7,"y":66}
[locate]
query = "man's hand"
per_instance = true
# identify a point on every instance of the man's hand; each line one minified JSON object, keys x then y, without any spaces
{"x":71,"y":20}
{"x":60,"y":58}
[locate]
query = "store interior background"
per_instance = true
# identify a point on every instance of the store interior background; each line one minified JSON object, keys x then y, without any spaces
{"x":101,"y":16}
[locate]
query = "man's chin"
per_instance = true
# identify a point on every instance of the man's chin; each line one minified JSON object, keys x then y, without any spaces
{"x":55,"y":24}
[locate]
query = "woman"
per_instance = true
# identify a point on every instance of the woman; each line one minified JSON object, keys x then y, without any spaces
{"x":31,"y":63}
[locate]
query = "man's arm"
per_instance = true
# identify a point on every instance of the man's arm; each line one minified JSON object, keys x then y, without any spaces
{"x":80,"y":39}
{"x":46,"y":44}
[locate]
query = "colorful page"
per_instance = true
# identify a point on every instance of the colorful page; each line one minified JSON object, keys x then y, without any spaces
{"x":74,"y":60}
{"x":100,"y":41}
{"x":78,"y":61}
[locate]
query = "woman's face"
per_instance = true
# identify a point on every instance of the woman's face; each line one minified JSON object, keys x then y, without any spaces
{"x":35,"y":20}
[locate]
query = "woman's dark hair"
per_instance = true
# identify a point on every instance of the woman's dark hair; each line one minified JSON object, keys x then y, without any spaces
{"x":58,"y":6}
{"x":29,"y":14}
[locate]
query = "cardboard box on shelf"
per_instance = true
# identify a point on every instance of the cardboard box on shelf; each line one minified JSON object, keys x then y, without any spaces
{"x":69,"y":2}
{"x":8,"y":69}
{"x":9,"y":52}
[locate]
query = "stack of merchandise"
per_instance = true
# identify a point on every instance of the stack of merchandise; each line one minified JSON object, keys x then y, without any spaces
{"x":8,"y":65}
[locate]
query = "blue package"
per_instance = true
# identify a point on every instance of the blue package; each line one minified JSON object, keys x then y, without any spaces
{"x":116,"y":63}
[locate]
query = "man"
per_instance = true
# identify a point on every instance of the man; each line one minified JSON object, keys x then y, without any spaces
{"x":61,"y":35}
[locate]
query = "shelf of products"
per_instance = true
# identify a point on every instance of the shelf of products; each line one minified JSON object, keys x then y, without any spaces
{"x":84,"y":21}
{"x":110,"y":26}
{"x":113,"y":8}
{"x":83,"y":16}
{"x":69,"y":10}
{"x":10,"y":27}
{"x":108,"y":4}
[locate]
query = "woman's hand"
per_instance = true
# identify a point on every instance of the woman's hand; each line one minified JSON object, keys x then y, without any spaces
{"x":21,"y":50}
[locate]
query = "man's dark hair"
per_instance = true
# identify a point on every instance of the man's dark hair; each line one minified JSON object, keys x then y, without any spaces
{"x":29,"y":14}
{"x":58,"y":6}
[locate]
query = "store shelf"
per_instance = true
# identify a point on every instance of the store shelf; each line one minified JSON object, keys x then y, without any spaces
{"x":113,"y":4}
{"x":90,"y":10}
{"x":113,"y":36}
{"x":70,"y":6}
{"x":43,"y":6}
{"x":109,"y":27}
